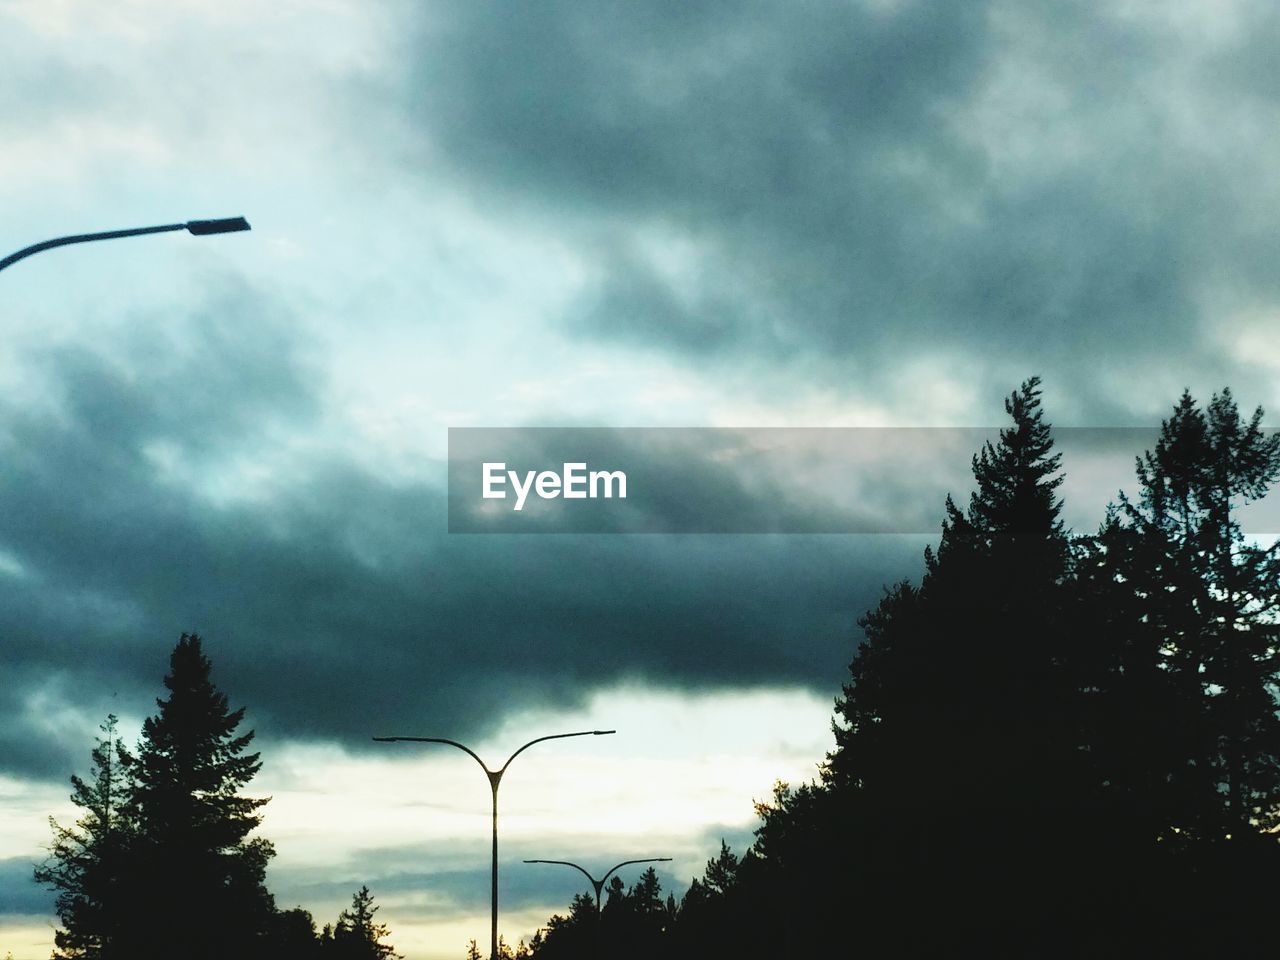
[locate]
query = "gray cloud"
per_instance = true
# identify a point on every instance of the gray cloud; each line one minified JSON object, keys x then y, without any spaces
{"x":19,"y":895}
{"x":337,"y":608}
{"x":843,"y":187}
{"x":1060,"y":188}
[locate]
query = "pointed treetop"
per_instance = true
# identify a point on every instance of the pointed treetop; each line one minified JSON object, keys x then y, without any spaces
{"x":1014,"y":500}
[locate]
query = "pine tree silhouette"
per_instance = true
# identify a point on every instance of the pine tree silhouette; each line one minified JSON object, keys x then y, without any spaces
{"x":198,"y":874}
{"x":357,"y":936}
{"x":86,"y":862}
{"x":1196,"y":605}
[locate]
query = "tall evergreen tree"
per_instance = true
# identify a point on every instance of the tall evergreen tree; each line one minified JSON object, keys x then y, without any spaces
{"x":956,"y":735}
{"x":960,"y":672}
{"x":577,"y":934}
{"x":711,"y":920}
{"x":1181,"y":615}
{"x":357,"y":935}
{"x":294,"y":937}
{"x":198,"y":874}
{"x":1212,"y":599}
{"x":87,"y":861}
{"x":977,"y":642}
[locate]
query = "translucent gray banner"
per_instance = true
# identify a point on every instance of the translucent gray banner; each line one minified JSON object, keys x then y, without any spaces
{"x":763,"y":480}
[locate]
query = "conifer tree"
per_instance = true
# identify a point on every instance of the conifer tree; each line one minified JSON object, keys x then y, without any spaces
{"x":956,"y":687}
{"x":86,"y":864}
{"x":956,"y":735}
{"x":575,"y":934}
{"x":294,"y":937}
{"x":198,"y":874}
{"x":1216,"y":600}
{"x":714,"y":917}
{"x":1180,"y":672}
{"x":357,"y":936}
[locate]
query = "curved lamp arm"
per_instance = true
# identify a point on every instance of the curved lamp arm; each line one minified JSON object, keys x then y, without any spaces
{"x":598,"y":885}
{"x":199,"y":228}
{"x":554,"y":736}
{"x":452,"y":743}
{"x":493,"y":774}
{"x":626,"y":862}
{"x":565,"y":863}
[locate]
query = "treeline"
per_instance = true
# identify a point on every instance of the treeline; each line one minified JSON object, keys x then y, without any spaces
{"x":161,"y":865}
{"x":638,"y":921}
{"x":1053,"y":745}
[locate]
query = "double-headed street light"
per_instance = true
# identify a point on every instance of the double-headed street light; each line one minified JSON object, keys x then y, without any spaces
{"x":199,"y":228}
{"x":495,"y":778}
{"x":599,"y":884}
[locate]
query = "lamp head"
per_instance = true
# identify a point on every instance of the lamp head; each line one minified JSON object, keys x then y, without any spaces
{"x":203,"y":228}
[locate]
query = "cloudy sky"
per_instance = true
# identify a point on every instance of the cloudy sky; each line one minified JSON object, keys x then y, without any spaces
{"x":664,"y":214}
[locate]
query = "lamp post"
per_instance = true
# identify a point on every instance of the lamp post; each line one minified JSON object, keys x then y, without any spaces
{"x":599,"y":884}
{"x":495,"y":778}
{"x":198,"y":228}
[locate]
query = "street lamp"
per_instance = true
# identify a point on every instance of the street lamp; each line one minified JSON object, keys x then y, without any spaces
{"x":495,"y":778}
{"x":198,"y":228}
{"x":599,"y":884}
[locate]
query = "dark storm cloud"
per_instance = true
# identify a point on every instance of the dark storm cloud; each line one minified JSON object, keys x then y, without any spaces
{"x":337,"y":606}
{"x":1055,"y":188}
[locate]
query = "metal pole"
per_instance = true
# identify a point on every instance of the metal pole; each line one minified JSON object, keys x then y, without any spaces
{"x":495,"y":778}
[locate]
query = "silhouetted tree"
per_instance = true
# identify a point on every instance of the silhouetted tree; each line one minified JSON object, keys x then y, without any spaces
{"x":197,"y":874}
{"x":711,"y":920}
{"x":161,"y":864}
{"x":632,"y":923}
{"x":357,"y":936}
{"x":1189,"y":734}
{"x":1055,"y":747}
{"x":1204,"y":468}
{"x":505,"y":952}
{"x":635,"y":920}
{"x":1051,"y":746}
{"x":957,"y":735}
{"x":293,"y":936}
{"x":579,"y":933}
{"x":86,"y":861}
